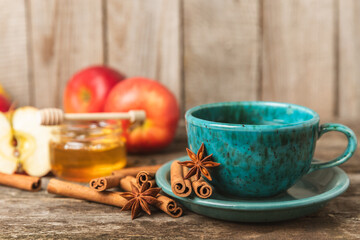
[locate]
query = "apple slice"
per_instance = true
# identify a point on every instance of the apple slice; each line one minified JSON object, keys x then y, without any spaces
{"x":8,"y":162}
{"x":32,"y":141}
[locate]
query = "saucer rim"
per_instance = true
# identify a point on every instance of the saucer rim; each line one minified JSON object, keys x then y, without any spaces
{"x":243,"y":204}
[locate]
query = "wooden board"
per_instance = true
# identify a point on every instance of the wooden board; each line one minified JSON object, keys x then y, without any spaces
{"x":47,"y":216}
{"x":221,"y":50}
{"x":349,"y":58}
{"x":299,"y":53}
{"x":13,"y":50}
{"x":143,"y":39}
{"x":66,"y":36}
{"x":28,"y":215}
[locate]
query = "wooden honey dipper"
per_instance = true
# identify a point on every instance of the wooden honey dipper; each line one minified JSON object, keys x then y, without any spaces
{"x":55,"y":116}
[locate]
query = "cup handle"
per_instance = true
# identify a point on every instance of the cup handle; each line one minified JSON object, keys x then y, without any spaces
{"x":351,"y":147}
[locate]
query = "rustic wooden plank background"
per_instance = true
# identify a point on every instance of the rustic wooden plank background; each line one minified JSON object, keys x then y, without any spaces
{"x":14,"y":65}
{"x":221,"y":51}
{"x":65,"y":37}
{"x":298,"y":53}
{"x":349,"y":58}
{"x":305,"y":52}
{"x":143,"y":39}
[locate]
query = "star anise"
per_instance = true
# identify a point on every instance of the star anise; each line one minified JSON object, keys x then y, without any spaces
{"x":140,"y":198}
{"x":199,"y":163}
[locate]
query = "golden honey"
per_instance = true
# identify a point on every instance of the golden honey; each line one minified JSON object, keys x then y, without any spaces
{"x":80,"y":152}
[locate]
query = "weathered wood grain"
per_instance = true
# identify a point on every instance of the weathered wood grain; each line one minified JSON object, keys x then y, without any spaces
{"x":349,"y":58}
{"x":66,"y":36}
{"x":221,"y":50}
{"x":302,"y":47}
{"x":144,"y":39}
{"x":48,"y":216}
{"x":37,"y":215}
{"x":13,"y":50}
{"x":299,"y":53}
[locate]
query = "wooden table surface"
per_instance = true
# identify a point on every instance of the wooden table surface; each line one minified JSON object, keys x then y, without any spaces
{"x":28,"y":215}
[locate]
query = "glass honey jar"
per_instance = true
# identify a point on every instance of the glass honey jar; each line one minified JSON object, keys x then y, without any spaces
{"x":81,"y":151}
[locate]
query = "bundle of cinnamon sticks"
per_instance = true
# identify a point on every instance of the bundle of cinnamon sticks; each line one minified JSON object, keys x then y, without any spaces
{"x":124,"y":178}
{"x":184,"y":187}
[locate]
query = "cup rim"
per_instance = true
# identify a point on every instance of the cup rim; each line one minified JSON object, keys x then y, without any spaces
{"x":190,"y":118}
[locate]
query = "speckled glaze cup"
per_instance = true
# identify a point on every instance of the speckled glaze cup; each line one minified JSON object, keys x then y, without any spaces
{"x":263,"y":147}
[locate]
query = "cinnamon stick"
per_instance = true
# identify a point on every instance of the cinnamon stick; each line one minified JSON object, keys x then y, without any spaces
{"x":125,"y":183}
{"x":104,"y":183}
{"x":180,"y":187}
{"x":201,"y":188}
{"x":132,"y":171}
{"x":85,"y":193}
{"x":20,"y":181}
{"x":167,"y":205}
{"x":146,"y":177}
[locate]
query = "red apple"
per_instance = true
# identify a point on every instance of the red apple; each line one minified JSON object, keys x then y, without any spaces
{"x":160,"y":105}
{"x":4,"y":104}
{"x":87,"y":90}
{"x":4,"y":100}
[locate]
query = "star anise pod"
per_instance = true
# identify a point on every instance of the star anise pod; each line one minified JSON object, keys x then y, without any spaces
{"x":140,"y":198}
{"x":199,"y":163}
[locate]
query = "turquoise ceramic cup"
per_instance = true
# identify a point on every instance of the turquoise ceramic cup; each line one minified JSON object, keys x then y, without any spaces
{"x":263,"y":147}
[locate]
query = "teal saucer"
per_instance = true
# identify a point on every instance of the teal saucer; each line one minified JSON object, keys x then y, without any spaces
{"x":307,"y":196}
